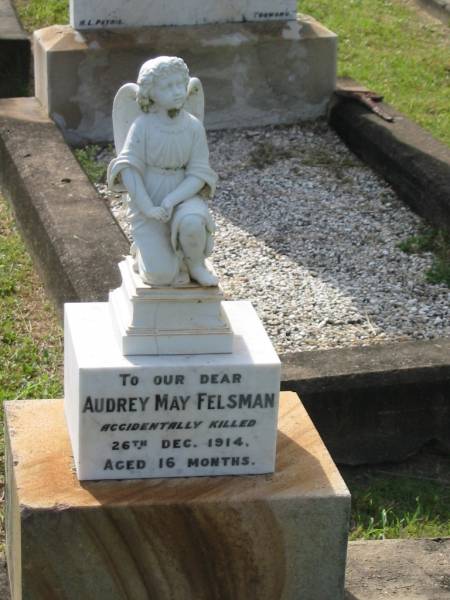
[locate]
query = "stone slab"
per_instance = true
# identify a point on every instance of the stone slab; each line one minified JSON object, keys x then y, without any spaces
{"x":253,"y":73}
{"x":280,"y":536}
{"x":440,"y":9}
{"x":112,"y":14}
{"x":408,"y":157}
{"x":15,"y":53}
{"x":75,"y":241}
{"x":169,"y":416}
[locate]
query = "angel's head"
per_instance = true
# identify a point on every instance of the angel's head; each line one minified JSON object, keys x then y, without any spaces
{"x":163,"y":82}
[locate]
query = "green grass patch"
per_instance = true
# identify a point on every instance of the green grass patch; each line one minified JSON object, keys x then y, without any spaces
{"x":88,"y":159}
{"x":30,"y":336}
{"x":436,"y":241}
{"x":36,"y":14}
{"x":386,"y":46}
{"x":393,"y":507}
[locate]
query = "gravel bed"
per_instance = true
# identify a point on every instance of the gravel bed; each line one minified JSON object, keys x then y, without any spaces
{"x":310,"y":235}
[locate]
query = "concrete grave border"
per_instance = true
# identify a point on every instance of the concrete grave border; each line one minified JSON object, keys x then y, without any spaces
{"x":370,"y":404}
{"x":440,"y":9}
{"x":408,"y":157}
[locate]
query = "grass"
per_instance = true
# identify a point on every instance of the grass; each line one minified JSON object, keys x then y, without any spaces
{"x":387,"y":47}
{"x":30,"y":336}
{"x":87,"y":157}
{"x":31,"y":339}
{"x":384,"y":508}
{"x":435,"y":241}
{"x":35,"y":14}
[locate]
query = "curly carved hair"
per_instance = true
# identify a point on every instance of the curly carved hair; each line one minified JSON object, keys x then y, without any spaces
{"x":149,"y":73}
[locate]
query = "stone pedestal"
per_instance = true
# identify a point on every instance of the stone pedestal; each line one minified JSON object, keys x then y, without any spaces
{"x":266,"y":537}
{"x":253,"y":74}
{"x":168,"y":320}
{"x":169,"y":415}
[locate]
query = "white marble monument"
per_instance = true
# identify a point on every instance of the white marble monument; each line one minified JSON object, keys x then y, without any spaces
{"x":169,"y":416}
{"x":167,"y":379}
{"x":110,"y":14}
{"x":163,"y":165}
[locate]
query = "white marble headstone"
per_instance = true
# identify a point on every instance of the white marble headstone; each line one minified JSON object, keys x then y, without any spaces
{"x":169,"y":416}
{"x":108,"y":14}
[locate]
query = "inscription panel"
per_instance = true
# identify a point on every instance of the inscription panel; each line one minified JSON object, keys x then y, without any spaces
{"x":110,"y":14}
{"x":172,"y":423}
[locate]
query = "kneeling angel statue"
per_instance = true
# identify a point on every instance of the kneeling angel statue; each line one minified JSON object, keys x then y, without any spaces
{"x":163,"y":165}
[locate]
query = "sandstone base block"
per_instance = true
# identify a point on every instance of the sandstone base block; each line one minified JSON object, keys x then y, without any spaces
{"x":253,"y":73}
{"x":271,"y":537}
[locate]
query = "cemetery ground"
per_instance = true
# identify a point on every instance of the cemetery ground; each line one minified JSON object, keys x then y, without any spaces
{"x":410,"y":499}
{"x":389,"y":501}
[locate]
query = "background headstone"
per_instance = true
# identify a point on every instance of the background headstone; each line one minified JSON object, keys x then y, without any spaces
{"x":254,"y":74}
{"x":107,"y":14}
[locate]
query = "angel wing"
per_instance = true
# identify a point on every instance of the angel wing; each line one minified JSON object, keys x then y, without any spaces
{"x":125,"y":111}
{"x":195,"y":101}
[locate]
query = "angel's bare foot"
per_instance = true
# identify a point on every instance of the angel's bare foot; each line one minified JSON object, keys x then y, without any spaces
{"x":200,"y":273}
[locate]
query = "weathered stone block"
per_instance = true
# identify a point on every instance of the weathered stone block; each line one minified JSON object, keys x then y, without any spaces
{"x":270,"y":537}
{"x":253,"y":73}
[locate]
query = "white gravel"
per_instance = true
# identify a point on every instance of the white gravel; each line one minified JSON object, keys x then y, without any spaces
{"x":309,"y":235}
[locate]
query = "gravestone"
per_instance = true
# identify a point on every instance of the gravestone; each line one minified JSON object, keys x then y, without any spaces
{"x":169,"y":416}
{"x":168,"y":379}
{"x":169,"y":382}
{"x":110,"y":14}
{"x":260,"y":63}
